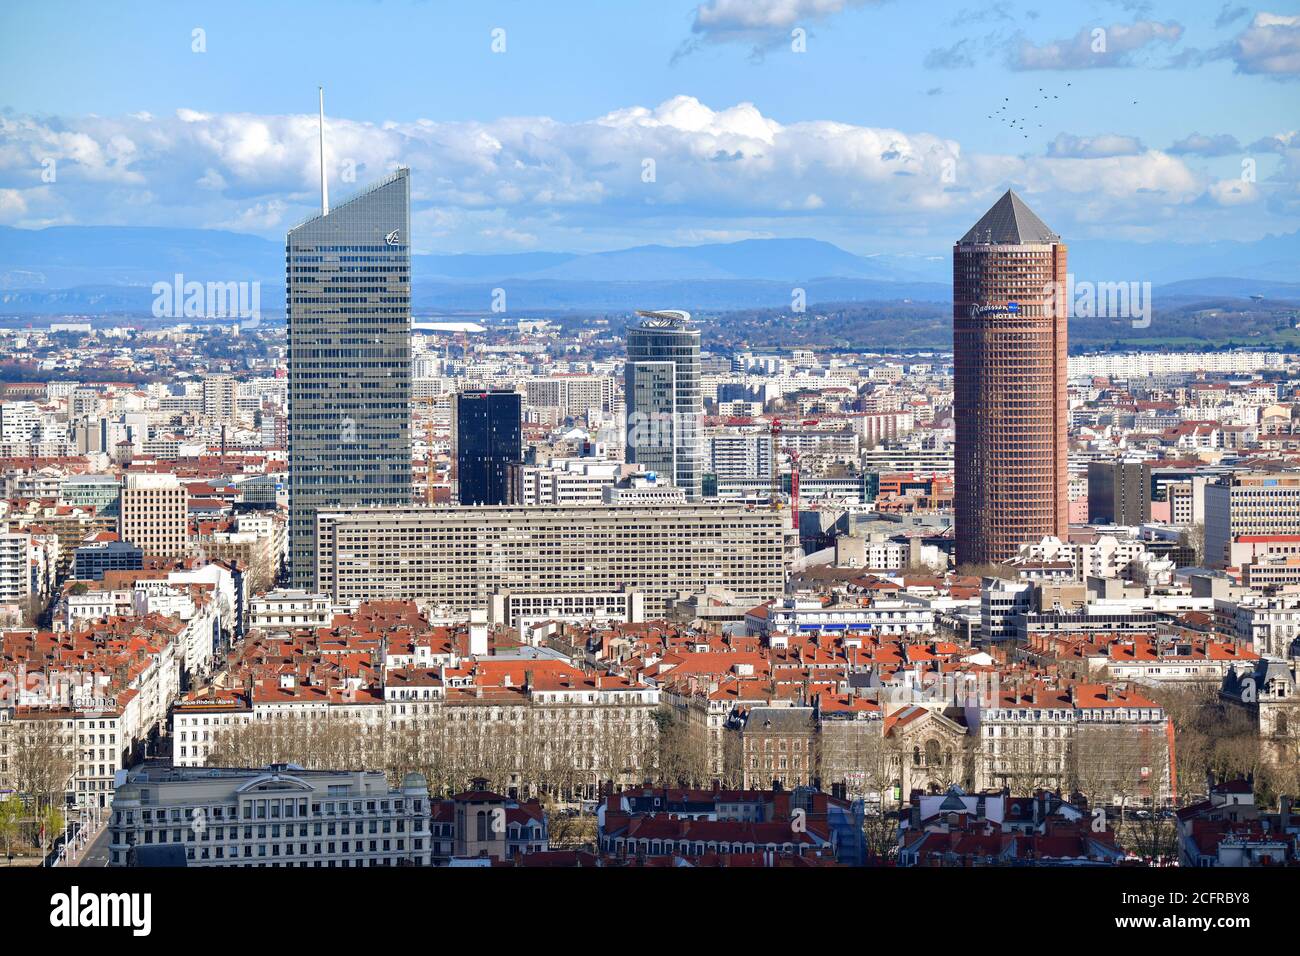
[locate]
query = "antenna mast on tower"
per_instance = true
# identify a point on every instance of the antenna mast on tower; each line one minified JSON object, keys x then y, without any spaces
{"x":324,"y":184}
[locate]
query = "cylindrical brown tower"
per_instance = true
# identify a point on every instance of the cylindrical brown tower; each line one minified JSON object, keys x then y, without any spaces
{"x":1009,"y":401}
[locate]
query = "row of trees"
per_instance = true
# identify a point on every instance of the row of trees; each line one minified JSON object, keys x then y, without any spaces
{"x":1120,"y":766}
{"x":1214,"y":738}
{"x":525,"y":756}
{"x":530,"y":757}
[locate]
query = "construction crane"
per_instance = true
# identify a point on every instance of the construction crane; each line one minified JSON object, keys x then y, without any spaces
{"x":774,"y":494}
{"x":429,"y":458}
{"x":794,"y":487}
{"x":793,"y":454}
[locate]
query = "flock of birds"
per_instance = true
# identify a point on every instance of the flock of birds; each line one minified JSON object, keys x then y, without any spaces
{"x":1005,"y":114}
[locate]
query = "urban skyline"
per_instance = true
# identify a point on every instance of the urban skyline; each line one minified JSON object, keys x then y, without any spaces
{"x":1142,"y":131}
{"x":896,"y":469}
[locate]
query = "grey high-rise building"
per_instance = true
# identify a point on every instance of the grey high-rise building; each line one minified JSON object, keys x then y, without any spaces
{"x":348,"y":297}
{"x":662,"y":394}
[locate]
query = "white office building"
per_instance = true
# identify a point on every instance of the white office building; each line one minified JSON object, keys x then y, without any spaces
{"x":281,"y":816}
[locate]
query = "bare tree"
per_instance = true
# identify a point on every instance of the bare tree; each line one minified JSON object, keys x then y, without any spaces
{"x":1153,"y":837}
{"x":44,"y":759}
{"x":1193,"y":537}
{"x":867,"y":763}
{"x":1091,"y":767}
{"x":684,"y":750}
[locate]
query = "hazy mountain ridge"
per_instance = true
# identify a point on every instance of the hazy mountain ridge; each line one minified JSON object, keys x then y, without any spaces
{"x":111,"y":268}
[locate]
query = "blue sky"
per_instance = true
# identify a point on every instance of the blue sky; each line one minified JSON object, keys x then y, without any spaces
{"x":876,"y":136}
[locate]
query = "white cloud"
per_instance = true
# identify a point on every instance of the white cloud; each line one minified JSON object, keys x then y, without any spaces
{"x":211,"y":179}
{"x":729,"y":17}
{"x":99,"y":150}
{"x":510,"y":236}
{"x":1270,"y":45}
{"x":1195,"y":144}
{"x":12,"y":205}
{"x":631,"y":175}
{"x":1233,"y":192}
{"x":1151,"y":178}
{"x":1066,"y":146}
{"x":1095,"y":47}
{"x":259,"y":217}
{"x":764,"y":24}
{"x":1278,"y":142}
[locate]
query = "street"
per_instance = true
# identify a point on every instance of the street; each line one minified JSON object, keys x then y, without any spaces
{"x":97,"y":853}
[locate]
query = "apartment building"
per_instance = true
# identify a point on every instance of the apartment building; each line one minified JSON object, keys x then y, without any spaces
{"x":15,"y":565}
{"x":19,"y":422}
{"x":154,"y":514}
{"x":573,"y":395}
{"x":1130,"y":365}
{"x":1186,"y":501}
{"x":1117,"y":743}
{"x":778,"y":746}
{"x":219,"y":399}
{"x":1270,"y":625}
{"x":460,"y":557}
{"x":517,"y":717}
{"x":90,"y":718}
{"x":289,"y":609}
{"x":877,"y":427}
{"x":801,"y":616}
{"x":1000,"y":602}
{"x":253,"y":552}
{"x":477,"y":827}
{"x":515,"y":610}
{"x":741,"y":456}
{"x":566,"y":481}
{"x":93,"y":745}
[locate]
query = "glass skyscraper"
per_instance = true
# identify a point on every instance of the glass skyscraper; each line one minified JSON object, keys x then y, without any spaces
{"x":489,"y":434}
{"x":662,"y":393}
{"x":348,"y":297}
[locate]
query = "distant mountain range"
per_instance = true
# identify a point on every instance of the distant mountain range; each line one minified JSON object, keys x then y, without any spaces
{"x":106,"y":269}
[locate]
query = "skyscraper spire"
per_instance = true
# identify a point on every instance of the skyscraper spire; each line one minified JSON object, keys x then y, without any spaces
{"x":324,"y":183}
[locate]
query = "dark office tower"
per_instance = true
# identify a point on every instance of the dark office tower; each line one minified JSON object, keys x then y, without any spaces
{"x":348,"y":278}
{"x":1009,"y":360}
{"x":489,"y":442}
{"x":1119,"y":492}
{"x":662,"y":397}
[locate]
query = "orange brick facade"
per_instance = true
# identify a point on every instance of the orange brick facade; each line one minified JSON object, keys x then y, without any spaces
{"x":1009,"y":403}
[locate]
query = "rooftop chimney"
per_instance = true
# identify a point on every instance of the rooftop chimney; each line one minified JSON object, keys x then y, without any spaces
{"x":478,"y":632}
